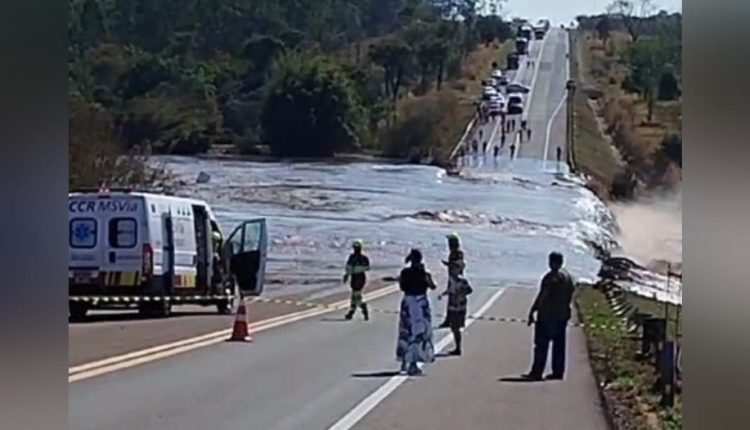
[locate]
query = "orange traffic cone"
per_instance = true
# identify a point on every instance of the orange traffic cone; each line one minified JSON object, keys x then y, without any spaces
{"x":240,"y":332}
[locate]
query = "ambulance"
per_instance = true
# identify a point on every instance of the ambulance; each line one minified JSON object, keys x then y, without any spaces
{"x":152,"y":251}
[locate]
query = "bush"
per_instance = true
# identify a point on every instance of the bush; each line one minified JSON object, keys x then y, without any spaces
{"x":428,"y":126}
{"x":669,"y":88}
{"x":95,"y":154}
{"x":311,"y":109}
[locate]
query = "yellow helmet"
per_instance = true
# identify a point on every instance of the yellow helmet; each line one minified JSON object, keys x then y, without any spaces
{"x":358,"y":244}
{"x":453,"y":236}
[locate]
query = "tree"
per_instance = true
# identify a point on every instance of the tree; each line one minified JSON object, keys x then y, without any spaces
{"x":645,"y":57}
{"x":311,"y":109}
{"x":395,"y":56}
{"x":669,"y":88}
{"x":632,"y":14}
{"x":603,"y":28}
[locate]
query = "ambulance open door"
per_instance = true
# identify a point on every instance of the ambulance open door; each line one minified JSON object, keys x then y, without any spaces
{"x":245,"y":250}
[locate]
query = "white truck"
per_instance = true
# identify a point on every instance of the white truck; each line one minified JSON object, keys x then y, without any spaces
{"x":151,"y":251}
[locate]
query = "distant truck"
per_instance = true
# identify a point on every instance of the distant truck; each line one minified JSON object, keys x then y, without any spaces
{"x":525,"y":32}
{"x":151,"y":251}
{"x":522,"y":46}
{"x":539,"y":33}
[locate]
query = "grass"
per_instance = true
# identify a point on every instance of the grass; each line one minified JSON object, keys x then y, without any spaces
{"x":601,"y":69}
{"x":627,"y":383}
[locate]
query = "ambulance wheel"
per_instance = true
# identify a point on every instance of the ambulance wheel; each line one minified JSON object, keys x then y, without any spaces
{"x":78,"y":311}
{"x":224,"y":307}
{"x":154,"y":310}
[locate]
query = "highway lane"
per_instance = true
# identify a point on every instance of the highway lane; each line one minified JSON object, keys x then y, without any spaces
{"x":305,"y":375}
{"x":110,"y":333}
{"x":544,"y":105}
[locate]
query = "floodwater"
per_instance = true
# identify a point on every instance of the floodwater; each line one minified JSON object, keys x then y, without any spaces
{"x":509,"y":215}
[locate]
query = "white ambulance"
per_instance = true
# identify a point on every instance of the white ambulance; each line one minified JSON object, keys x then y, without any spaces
{"x":152,"y":251}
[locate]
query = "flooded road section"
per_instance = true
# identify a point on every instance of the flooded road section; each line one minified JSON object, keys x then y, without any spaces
{"x":509,"y":215}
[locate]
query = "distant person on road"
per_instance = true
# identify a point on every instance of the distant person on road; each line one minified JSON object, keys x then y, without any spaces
{"x":455,"y":264}
{"x":552,"y":308}
{"x":559,"y":154}
{"x":457,"y":292}
{"x":415,"y":320}
{"x":520,"y":136}
{"x":496,"y":151}
{"x":502,"y":139}
{"x":512,"y":150}
{"x":528,"y":134}
{"x":356,"y":267}
{"x":523,"y":124}
{"x":484,"y":146}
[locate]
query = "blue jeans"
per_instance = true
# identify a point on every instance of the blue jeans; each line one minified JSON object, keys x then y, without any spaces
{"x":546,"y":332}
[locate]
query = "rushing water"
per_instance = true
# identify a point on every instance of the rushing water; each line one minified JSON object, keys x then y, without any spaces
{"x":509,"y":215}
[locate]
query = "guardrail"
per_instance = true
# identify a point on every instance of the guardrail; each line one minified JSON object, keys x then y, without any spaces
{"x":462,"y":141}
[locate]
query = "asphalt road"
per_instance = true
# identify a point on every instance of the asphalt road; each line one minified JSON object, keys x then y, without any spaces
{"x":327,"y":373}
{"x":543,"y":106}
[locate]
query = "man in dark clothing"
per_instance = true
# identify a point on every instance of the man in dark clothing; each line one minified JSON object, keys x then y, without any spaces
{"x":455,"y":264}
{"x":356,"y":266}
{"x":502,"y":140}
{"x":495,"y":150}
{"x":559,"y":154}
{"x":512,"y":150}
{"x":528,"y":133}
{"x":552,"y":308}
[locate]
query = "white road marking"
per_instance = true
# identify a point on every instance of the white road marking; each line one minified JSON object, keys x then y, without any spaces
{"x":135,"y":358}
{"x":537,"y":59}
{"x":370,"y":402}
{"x":549,"y":129}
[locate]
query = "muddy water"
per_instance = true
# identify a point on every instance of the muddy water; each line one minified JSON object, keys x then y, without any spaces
{"x":509,"y":215}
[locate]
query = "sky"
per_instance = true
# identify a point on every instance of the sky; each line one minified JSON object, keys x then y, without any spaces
{"x":565,"y":11}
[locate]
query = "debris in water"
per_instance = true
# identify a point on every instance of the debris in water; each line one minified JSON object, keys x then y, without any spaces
{"x":203,"y":178}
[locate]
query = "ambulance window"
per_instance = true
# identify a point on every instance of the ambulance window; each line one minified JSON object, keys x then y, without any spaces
{"x":252,"y":237}
{"x":82,"y":233}
{"x":123,"y":233}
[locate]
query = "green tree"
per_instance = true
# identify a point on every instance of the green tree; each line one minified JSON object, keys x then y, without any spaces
{"x":396,"y":57}
{"x":645,"y":57}
{"x":311,"y":109}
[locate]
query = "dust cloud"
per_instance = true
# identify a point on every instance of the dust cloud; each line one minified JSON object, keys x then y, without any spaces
{"x":651,"y":230}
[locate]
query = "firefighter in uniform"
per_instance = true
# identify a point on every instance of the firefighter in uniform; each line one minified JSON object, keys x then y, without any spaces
{"x":356,"y":267}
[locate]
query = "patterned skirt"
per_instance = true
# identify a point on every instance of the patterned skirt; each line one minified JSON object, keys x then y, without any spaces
{"x":415,"y":331}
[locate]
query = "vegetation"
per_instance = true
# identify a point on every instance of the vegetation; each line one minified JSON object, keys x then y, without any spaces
{"x":180,"y":77}
{"x":633,"y":59}
{"x":627,"y":382}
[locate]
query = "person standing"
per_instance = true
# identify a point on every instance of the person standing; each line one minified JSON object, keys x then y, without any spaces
{"x":559,"y":154}
{"x":552,"y":308}
{"x":457,"y":291}
{"x":528,"y":134}
{"x":415,"y":321}
{"x":512,"y":150}
{"x":496,"y":151}
{"x":502,"y":139}
{"x":455,"y":265}
{"x":356,"y":267}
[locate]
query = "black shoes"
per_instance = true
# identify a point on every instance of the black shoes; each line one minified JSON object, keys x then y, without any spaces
{"x":349,"y":315}
{"x":455,"y":352}
{"x":553,"y":377}
{"x":532,"y":377}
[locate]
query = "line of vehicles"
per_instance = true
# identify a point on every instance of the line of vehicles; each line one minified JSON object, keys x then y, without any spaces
{"x":150,"y":251}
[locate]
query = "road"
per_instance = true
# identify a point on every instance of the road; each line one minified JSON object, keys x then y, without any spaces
{"x":544,"y":105}
{"x":322,"y":372}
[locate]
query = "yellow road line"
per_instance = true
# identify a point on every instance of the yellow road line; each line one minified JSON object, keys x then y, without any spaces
{"x":135,"y":358}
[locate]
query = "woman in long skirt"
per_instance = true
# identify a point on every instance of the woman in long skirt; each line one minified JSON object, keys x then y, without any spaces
{"x":415,"y":322}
